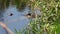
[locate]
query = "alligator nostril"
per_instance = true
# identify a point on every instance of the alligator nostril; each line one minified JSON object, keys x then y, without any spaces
{"x":11,"y":14}
{"x":29,"y":14}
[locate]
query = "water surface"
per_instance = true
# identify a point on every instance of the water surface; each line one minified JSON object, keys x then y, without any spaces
{"x":17,"y":20}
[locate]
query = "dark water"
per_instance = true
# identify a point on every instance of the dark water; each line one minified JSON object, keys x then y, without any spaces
{"x":17,"y":20}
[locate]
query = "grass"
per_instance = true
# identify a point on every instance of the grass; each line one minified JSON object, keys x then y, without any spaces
{"x":48,"y":23}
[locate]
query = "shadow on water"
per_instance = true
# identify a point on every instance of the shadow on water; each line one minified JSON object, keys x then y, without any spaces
{"x":17,"y":20}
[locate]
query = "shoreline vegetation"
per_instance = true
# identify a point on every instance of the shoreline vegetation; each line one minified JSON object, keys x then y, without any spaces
{"x":47,"y":23}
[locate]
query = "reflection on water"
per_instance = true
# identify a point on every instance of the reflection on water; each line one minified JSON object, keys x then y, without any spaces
{"x":17,"y":20}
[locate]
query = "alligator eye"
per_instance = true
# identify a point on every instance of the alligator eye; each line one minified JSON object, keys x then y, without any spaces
{"x":11,"y":14}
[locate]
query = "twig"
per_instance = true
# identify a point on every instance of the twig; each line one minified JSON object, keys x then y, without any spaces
{"x":8,"y":31}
